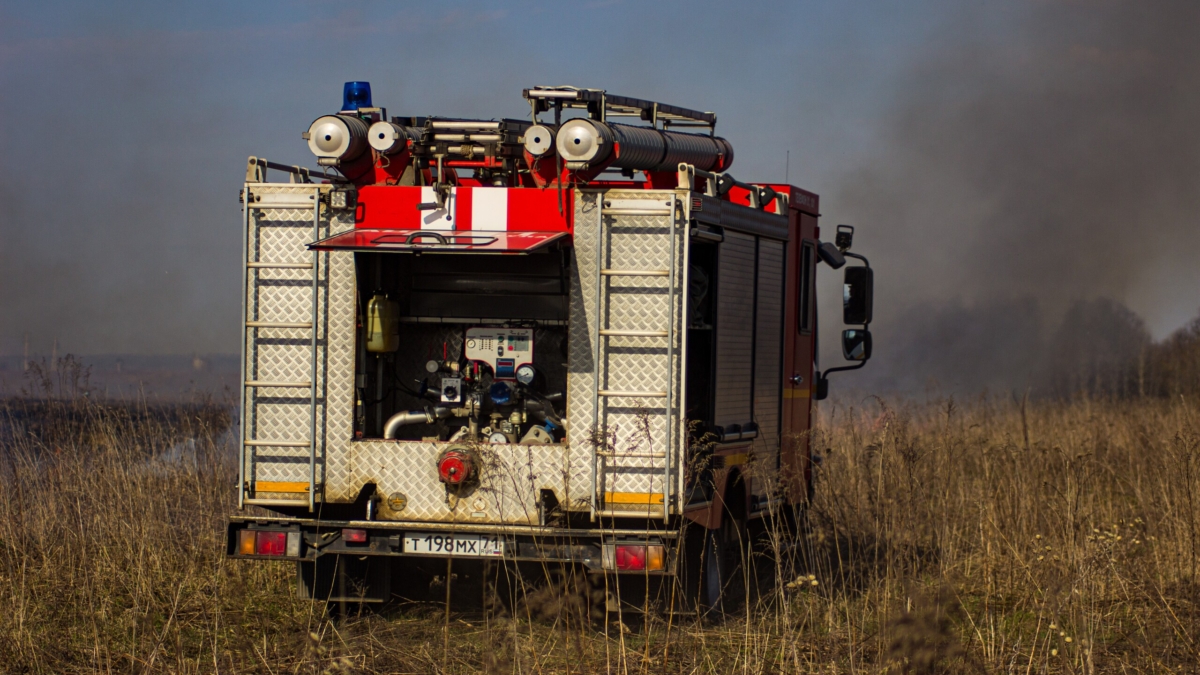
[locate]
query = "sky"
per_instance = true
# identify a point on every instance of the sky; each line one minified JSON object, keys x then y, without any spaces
{"x":1033,"y":151}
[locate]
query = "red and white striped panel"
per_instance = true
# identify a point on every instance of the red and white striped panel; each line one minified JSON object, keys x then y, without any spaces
{"x":488,"y":209}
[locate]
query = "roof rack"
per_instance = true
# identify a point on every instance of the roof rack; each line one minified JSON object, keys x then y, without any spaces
{"x":601,"y":105}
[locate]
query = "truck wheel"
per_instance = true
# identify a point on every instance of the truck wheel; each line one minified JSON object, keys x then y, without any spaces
{"x":715,"y":572}
{"x":711,"y":573}
{"x":725,"y":569}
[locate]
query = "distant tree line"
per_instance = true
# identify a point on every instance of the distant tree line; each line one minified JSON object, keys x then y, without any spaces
{"x":1103,"y":349}
{"x":1100,"y":348}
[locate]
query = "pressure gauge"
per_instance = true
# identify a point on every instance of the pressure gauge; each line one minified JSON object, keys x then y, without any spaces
{"x":525,"y":374}
{"x":497,"y":437}
{"x":432,"y":366}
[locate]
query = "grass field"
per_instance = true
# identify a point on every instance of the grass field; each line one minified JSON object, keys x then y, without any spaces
{"x":990,"y":535}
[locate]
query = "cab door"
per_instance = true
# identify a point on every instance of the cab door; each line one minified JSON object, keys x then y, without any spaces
{"x":799,"y":356}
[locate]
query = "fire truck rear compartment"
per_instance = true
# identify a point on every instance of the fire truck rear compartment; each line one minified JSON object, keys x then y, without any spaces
{"x":438,"y":297}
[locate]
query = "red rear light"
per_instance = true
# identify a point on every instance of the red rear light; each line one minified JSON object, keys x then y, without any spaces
{"x":351,"y":536}
{"x":635,"y":557}
{"x":631,"y":558}
{"x":270,"y":543}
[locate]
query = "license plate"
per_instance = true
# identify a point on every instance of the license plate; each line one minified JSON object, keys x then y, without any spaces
{"x":444,"y":543}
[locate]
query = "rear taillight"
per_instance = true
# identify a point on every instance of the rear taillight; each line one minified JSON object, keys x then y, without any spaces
{"x":268,"y":542}
{"x":635,"y":557}
{"x":631,"y":558}
{"x":352,"y":536}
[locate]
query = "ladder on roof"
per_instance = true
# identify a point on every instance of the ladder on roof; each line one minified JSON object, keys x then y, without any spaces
{"x":281,"y":283}
{"x":602,"y":105}
{"x":635,"y":310}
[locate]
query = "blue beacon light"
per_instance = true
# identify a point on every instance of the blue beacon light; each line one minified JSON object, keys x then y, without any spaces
{"x":356,"y":95}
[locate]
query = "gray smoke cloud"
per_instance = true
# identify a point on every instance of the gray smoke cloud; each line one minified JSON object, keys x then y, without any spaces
{"x":1036,"y":154}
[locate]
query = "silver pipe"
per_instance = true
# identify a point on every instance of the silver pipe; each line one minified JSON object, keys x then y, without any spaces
{"x":278,"y":324}
{"x":670,"y":368}
{"x":467,"y":149}
{"x":409,"y":417}
{"x":274,"y":502}
{"x":279,"y":266}
{"x":447,"y":124}
{"x":242,"y":412}
{"x":478,"y":138}
{"x":600,"y":262}
{"x":684,"y":299}
{"x":312,"y":410}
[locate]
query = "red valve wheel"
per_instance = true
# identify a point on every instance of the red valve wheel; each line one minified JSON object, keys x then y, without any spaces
{"x":455,"y":466}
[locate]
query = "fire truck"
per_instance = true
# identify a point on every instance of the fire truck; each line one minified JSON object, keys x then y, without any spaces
{"x":574,"y":339}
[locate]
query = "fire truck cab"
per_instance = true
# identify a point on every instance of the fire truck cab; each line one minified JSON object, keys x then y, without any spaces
{"x":556,"y":339}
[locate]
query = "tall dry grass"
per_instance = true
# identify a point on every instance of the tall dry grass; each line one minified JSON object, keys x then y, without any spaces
{"x":978,"y":536}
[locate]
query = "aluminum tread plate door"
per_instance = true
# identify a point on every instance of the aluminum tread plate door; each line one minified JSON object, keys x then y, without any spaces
{"x":275,"y":294}
{"x":337,"y":314}
{"x":635,"y":426}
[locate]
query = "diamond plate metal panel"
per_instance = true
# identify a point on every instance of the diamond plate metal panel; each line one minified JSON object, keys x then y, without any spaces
{"x":635,"y":427}
{"x":511,"y":478}
{"x":276,"y":354}
{"x":336,"y":370}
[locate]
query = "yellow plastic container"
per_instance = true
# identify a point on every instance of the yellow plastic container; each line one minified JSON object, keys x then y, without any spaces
{"x":383,"y":324}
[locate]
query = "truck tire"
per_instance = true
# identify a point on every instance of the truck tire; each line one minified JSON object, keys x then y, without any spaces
{"x":712,"y":569}
{"x":725,"y":574}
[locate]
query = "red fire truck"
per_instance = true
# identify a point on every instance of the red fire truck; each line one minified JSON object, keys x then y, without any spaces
{"x":567,"y":338}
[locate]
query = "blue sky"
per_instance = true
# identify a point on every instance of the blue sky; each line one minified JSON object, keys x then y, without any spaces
{"x":127,"y":125}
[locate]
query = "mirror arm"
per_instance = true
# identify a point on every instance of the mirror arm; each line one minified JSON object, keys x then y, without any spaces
{"x":827,"y":371}
{"x":824,"y":374}
{"x":860,"y":257}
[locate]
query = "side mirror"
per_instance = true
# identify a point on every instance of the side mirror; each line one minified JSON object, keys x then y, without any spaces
{"x":856,"y":344}
{"x":857,"y":291}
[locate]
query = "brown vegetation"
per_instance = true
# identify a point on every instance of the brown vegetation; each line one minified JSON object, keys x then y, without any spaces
{"x":981,"y":536}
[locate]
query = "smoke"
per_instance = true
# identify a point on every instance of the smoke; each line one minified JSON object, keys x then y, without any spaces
{"x":1035,"y":155}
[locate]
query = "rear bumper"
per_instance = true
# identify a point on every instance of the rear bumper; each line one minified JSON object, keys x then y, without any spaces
{"x":592,"y":548}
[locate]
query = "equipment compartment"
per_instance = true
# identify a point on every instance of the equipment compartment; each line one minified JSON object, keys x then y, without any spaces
{"x":428,"y":388}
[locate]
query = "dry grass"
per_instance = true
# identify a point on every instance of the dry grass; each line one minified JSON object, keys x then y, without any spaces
{"x":987,"y":536}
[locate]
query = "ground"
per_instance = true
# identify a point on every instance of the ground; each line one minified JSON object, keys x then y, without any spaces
{"x":988,"y":535}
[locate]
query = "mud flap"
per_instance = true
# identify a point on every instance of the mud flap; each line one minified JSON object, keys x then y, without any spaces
{"x":342,"y":578}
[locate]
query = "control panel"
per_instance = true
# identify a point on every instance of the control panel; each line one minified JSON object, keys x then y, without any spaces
{"x":504,"y":349}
